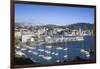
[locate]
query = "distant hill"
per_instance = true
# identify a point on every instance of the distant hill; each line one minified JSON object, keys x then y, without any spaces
{"x":50,"y":26}
{"x":77,"y":26}
{"x":23,"y":25}
{"x":83,"y":26}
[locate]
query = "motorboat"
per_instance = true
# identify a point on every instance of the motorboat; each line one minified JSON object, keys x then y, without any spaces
{"x":59,"y":48}
{"x":47,"y":57}
{"x":35,"y":53}
{"x":65,"y":49}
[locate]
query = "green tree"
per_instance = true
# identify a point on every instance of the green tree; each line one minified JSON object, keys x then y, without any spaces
{"x":28,"y":42}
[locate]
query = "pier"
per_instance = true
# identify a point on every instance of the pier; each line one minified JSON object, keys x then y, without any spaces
{"x":55,"y":40}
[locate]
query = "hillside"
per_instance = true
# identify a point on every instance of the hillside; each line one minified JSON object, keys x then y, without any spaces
{"x":83,"y":26}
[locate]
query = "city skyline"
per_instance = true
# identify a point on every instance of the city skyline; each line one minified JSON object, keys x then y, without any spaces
{"x":43,"y":14}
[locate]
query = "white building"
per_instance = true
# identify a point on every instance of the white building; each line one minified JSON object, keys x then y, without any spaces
{"x":49,"y":39}
{"x":18,"y":34}
{"x":26,"y":37}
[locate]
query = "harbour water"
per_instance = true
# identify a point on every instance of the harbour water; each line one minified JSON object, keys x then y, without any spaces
{"x":69,"y":51}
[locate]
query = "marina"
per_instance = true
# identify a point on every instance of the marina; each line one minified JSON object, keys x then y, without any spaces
{"x":55,"y":53}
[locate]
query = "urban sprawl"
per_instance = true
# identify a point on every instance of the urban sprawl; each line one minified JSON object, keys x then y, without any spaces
{"x":33,"y":35}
